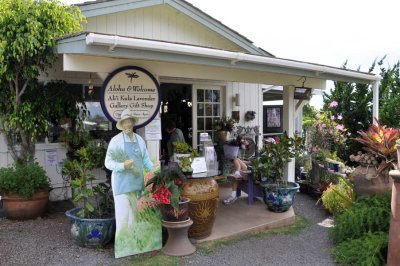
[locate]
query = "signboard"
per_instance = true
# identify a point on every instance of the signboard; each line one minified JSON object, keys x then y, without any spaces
{"x":132,"y":88}
{"x":153,"y":129}
{"x":51,"y":157}
{"x":199,"y":165}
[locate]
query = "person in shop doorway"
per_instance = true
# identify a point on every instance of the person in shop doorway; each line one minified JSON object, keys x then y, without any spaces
{"x":175,"y":135}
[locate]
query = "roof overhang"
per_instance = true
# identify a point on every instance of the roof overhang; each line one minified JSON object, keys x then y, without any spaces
{"x":133,"y":48}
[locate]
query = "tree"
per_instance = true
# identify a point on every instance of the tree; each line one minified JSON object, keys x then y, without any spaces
{"x":389,"y":98}
{"x":28,"y":35}
{"x":354,"y":105}
{"x":309,"y":113}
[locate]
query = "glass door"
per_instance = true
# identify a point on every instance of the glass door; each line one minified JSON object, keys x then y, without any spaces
{"x":208,"y":107}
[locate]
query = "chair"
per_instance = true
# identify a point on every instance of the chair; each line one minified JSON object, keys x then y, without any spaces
{"x":247,"y":185}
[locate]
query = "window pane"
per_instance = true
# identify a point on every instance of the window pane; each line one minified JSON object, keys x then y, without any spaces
{"x":216,"y":96}
{"x":200,"y":109}
{"x":208,"y":109}
{"x":200,"y":124}
{"x":216,"y":109}
{"x":200,"y":95}
{"x":209,"y":96}
{"x":209,"y":124}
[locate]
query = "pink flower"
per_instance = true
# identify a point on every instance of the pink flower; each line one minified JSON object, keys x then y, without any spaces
{"x":314,"y":149}
{"x":141,"y":204}
{"x":339,"y":117}
{"x":348,"y":134}
{"x":333,"y":104}
{"x":333,"y":117}
{"x":340,"y":127}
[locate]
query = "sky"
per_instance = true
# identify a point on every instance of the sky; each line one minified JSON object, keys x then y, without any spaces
{"x":325,"y":32}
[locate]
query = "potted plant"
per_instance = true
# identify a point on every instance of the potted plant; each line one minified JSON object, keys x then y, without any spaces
{"x":231,"y":148}
{"x":224,"y":125}
{"x":184,"y":155}
{"x":166,"y":188}
{"x":92,"y":221}
{"x":380,"y":144}
{"x":278,"y":194}
{"x":25,"y":190}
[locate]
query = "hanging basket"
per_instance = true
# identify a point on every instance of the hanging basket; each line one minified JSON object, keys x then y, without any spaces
{"x":231,"y":152}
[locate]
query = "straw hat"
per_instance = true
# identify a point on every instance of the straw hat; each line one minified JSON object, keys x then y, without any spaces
{"x":126,"y":114}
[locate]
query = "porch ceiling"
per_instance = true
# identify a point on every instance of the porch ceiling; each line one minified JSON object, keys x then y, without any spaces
{"x":288,"y":71}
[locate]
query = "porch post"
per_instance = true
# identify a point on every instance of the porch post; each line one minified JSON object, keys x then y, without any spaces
{"x":288,"y":124}
{"x":375,"y":101}
{"x":393,"y":256}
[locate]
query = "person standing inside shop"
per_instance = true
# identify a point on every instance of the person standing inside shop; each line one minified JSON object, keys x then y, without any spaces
{"x":175,"y":135}
{"x":127,"y":157}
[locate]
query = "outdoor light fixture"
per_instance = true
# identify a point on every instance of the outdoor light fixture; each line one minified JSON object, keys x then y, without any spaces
{"x":236,"y":99}
{"x":302,"y":93}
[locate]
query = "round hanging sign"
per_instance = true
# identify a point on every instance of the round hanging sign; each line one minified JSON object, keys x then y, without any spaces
{"x":132,"y":88}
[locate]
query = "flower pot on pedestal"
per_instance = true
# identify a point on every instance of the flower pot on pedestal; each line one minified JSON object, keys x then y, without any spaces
{"x":170,"y":214}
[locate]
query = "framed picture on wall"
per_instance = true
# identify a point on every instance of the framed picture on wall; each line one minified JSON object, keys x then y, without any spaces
{"x":273,"y":119}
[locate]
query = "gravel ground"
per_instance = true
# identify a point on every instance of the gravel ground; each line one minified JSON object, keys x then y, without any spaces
{"x":45,"y":241}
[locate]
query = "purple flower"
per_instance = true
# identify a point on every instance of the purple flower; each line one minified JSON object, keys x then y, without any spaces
{"x":333,"y":117}
{"x":333,"y":104}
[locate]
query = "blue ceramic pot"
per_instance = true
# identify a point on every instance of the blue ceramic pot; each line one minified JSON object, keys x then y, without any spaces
{"x":92,"y":233}
{"x":279,"y":198}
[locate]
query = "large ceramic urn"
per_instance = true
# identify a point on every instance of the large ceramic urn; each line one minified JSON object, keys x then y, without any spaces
{"x":204,"y":195}
{"x":367,"y":180}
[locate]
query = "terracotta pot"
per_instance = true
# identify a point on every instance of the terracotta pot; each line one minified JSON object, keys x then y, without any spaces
{"x":204,"y":195}
{"x":367,"y":181}
{"x":171,"y":215}
{"x":20,"y":208}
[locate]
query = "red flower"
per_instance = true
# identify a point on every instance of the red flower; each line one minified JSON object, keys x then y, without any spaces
{"x":161,"y":196}
{"x":178,"y":181}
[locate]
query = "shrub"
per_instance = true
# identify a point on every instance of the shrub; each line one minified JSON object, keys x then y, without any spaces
{"x":368,"y":214}
{"x":370,"y":249}
{"x":23,"y":179}
{"x":338,"y":197}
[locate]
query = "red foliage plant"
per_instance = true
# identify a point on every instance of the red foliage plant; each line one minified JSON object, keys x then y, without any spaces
{"x":381,"y":141}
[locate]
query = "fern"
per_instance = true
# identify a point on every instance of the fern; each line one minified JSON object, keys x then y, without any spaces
{"x":368,"y":214}
{"x":338,"y":197}
{"x":369,"y":250}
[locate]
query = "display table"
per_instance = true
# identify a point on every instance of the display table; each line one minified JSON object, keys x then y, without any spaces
{"x":203,"y":192}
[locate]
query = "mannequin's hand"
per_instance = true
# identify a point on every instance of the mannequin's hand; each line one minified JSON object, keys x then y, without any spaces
{"x":128,"y":164}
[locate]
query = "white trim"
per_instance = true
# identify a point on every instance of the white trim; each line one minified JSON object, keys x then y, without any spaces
{"x":375,"y":102}
{"x":126,"y":42}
